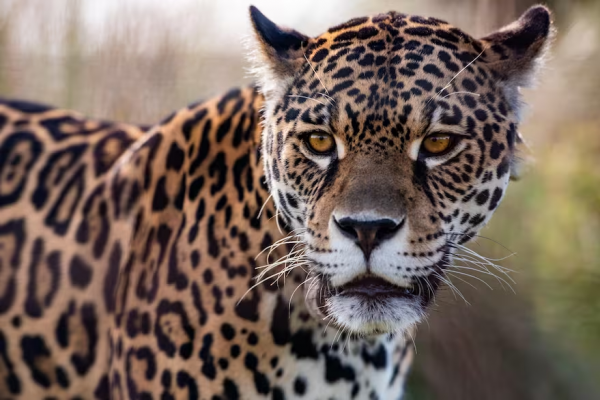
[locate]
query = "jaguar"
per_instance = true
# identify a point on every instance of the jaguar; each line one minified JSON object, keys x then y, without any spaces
{"x":281,"y":241}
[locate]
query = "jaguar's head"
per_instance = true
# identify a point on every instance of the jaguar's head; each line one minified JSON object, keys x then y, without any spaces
{"x":388,"y":143}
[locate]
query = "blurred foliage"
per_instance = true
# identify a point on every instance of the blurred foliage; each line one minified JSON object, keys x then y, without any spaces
{"x":543,"y":343}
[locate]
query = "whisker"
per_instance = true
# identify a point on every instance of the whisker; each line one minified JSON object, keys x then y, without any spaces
{"x":470,"y":276}
{"x":263,"y":206}
{"x":317,"y":75}
{"x":307,"y":98}
{"x":461,"y":92}
{"x":455,"y":76}
{"x":331,"y":99}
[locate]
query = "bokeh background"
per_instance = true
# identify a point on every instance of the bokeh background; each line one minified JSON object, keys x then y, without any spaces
{"x":136,"y":60}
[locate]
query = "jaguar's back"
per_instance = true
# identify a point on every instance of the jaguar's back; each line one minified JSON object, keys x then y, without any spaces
{"x":51,"y":256}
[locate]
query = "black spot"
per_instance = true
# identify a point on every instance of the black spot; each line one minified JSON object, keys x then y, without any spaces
{"x":320,"y":55}
{"x":343,"y":73}
{"x":292,"y":114}
{"x":341,"y":86}
{"x":419,"y":31}
{"x":231,"y":95}
{"x":89,"y":320}
{"x":102,"y":391}
{"x":35,"y":299}
{"x":10,"y":378}
{"x":80,"y":272}
{"x":230,"y":390}
{"x":349,"y":24}
{"x":223,"y":129}
{"x":174,"y":275}
{"x":367,"y":32}
{"x":346,"y":36}
{"x":248,"y":307}
{"x":503,"y":168}
{"x":213,"y":245}
{"x":13,"y":232}
{"x":482,"y":197}
{"x":34,"y":350}
{"x":377,"y":45}
{"x":235,"y":351}
{"x":161,"y":199}
{"x":239,"y":166}
{"x":496,"y":196}
{"x":61,"y":214}
{"x":203,"y":149}
{"x":110,"y":280}
{"x":252,"y":339}
{"x":496,"y":150}
{"x":280,"y":323}
{"x":197,"y":298}
{"x":469,"y":85}
{"x":185,"y":380}
{"x":208,"y":360}
{"x":277,"y":394}
{"x":378,"y":360}
{"x":146,"y":355}
{"x":481,"y":115}
{"x":218,"y":168}
{"x":303,"y":346}
{"x":227,"y":331}
{"x":335,"y":370}
{"x":470,"y":101}
{"x":426,"y":85}
{"x":300,"y":386}
{"x":161,"y":331}
{"x":195,"y":188}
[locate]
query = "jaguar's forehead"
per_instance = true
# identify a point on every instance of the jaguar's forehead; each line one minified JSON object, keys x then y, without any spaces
{"x":394,"y":39}
{"x":416,"y":29}
{"x":387,"y":69}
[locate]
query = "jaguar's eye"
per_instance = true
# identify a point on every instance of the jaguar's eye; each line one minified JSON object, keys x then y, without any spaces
{"x":438,"y":144}
{"x":320,"y":143}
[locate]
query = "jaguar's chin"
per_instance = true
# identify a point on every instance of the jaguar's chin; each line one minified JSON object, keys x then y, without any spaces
{"x":368,"y":305}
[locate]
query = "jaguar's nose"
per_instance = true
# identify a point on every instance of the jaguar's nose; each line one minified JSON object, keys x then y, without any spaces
{"x":368,"y":234}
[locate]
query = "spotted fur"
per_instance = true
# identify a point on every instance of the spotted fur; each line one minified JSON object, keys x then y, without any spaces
{"x":129,"y":260}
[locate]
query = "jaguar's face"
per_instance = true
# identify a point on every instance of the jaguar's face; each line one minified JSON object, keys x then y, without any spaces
{"x":386,"y":146}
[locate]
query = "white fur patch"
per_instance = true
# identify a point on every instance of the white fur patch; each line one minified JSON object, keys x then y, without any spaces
{"x":385,"y":315}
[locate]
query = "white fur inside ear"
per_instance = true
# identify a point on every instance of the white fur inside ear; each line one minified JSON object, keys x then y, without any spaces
{"x":270,"y":83}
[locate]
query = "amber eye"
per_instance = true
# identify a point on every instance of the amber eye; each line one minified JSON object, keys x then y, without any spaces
{"x":437,"y":144}
{"x":320,"y":143}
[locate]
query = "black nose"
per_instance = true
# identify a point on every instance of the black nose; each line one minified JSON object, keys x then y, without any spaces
{"x":368,"y":234}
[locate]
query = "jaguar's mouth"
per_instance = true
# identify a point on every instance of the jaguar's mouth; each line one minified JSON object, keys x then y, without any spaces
{"x":370,"y":304}
{"x":372,"y":287}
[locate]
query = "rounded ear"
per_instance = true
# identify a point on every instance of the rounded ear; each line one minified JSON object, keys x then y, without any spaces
{"x":278,"y":52}
{"x":516,"y":52}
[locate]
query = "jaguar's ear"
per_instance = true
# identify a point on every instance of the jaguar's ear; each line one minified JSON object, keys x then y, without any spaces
{"x":516,"y":52}
{"x":278,"y":53}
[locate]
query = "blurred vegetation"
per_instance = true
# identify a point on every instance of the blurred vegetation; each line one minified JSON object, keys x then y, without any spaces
{"x":137,"y":60}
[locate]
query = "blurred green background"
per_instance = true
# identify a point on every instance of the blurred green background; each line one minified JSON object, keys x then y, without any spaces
{"x":136,"y":60}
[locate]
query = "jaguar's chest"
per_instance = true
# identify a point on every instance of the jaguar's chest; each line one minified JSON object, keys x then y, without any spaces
{"x":274,"y":351}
